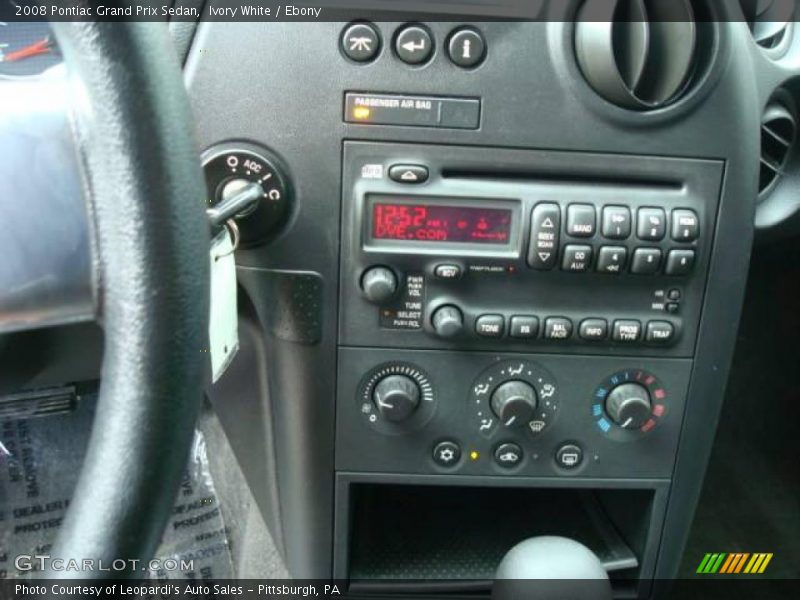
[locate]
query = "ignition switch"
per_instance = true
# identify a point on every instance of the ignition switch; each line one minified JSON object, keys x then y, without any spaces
{"x":231,"y":168}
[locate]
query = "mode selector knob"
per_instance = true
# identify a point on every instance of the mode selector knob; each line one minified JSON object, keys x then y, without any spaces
{"x":396,"y":397}
{"x":629,"y":405}
{"x":447,"y":321}
{"x":514,"y":403}
{"x":379,"y":284}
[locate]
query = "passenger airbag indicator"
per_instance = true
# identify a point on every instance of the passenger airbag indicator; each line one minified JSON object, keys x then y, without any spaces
{"x":415,"y":111}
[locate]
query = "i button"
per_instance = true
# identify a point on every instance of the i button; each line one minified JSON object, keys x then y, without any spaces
{"x":466,"y":48}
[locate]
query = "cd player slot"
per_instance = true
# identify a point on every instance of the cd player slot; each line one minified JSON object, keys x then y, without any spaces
{"x":560,"y":178}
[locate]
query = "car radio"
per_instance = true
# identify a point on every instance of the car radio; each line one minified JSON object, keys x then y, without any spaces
{"x":591,"y":252}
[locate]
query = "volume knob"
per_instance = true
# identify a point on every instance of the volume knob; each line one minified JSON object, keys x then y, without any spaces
{"x":379,"y":284}
{"x":514,"y":403}
{"x":629,"y":405}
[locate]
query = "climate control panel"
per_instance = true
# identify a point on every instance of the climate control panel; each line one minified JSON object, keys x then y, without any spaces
{"x":446,"y":412}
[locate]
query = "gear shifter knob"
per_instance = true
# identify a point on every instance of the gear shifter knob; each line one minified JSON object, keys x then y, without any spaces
{"x":570,"y":569}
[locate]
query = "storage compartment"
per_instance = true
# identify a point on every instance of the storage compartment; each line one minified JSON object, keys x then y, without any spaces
{"x":407,"y":538}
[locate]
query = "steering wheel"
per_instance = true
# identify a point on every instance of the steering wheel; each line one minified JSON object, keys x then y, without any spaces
{"x":150,"y":242}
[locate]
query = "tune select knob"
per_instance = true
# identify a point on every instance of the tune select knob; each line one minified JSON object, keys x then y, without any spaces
{"x":514,"y":403}
{"x":379,"y":284}
{"x":629,"y":405}
{"x":447,"y":321}
{"x":396,"y":397}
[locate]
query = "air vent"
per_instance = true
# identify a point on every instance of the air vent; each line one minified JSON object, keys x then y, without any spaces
{"x":778,"y":134}
{"x":638,"y":54}
{"x":772,"y":24}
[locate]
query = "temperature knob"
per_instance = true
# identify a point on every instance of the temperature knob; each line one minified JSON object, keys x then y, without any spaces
{"x":230,"y":168}
{"x":629,"y":405}
{"x":447,"y":321}
{"x":514,"y":403}
{"x":379,"y":284}
{"x":396,"y":397}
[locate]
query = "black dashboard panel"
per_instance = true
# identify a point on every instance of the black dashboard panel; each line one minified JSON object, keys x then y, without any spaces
{"x":543,"y":136}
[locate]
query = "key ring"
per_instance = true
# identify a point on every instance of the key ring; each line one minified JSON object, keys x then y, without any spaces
{"x":236,"y":236}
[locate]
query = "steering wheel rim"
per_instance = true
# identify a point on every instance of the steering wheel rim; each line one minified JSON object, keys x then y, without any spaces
{"x":146,"y":197}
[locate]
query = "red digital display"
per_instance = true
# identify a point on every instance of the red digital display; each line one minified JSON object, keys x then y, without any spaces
{"x":440,"y":223}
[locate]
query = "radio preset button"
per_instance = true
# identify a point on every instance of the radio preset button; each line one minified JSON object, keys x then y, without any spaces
{"x":557,"y":328}
{"x":651,"y":224}
{"x":577,"y":258}
{"x":616,"y":222}
{"x":523,"y":326}
{"x":646,"y":261}
{"x":490,"y":326}
{"x":627,"y":331}
{"x":447,"y":271}
{"x":685,"y":225}
{"x":581,"y":220}
{"x":545,"y":226}
{"x":659,"y":332}
{"x":408,"y":173}
{"x":679,"y":262}
{"x":593,"y":330}
{"x":612,"y":259}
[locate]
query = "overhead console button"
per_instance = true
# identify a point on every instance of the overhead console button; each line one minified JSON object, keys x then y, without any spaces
{"x":466,"y":48}
{"x":360,"y":42}
{"x":545,"y":227}
{"x":413,"y":45}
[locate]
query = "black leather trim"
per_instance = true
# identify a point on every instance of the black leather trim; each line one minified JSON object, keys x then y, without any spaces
{"x":152,"y":245}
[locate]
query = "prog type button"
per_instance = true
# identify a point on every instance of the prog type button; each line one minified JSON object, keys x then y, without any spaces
{"x":545,"y":226}
{"x":360,"y":42}
{"x":626,"y":331}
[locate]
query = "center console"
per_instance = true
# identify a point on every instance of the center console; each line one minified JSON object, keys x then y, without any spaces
{"x":496,"y":302}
